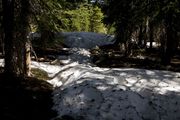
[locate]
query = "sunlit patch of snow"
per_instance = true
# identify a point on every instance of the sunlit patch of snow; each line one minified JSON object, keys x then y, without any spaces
{"x":1,"y":62}
{"x":101,"y":93}
{"x":140,"y":57}
{"x":132,"y":80}
{"x":85,"y":91}
{"x":148,"y":72}
{"x":80,"y":55}
{"x":154,"y":44}
{"x":56,"y":81}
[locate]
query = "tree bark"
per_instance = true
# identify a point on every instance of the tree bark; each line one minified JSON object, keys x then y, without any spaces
{"x":169,"y":48}
{"x":8,"y":24}
{"x":171,"y":40}
{"x":2,"y":41}
{"x":146,"y":38}
{"x":163,"y":41}
{"x":26,"y":59}
{"x":140,"y":37}
{"x":17,"y":48}
{"x":151,"y":35}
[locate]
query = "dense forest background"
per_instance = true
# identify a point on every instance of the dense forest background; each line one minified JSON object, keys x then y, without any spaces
{"x":133,"y":23}
{"x":19,"y":18}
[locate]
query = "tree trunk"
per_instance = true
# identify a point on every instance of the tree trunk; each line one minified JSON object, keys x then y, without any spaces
{"x":26,"y":60}
{"x":146,"y":38}
{"x":8,"y":23}
{"x":27,"y":64}
{"x":140,"y":37}
{"x":171,"y":40}
{"x":2,"y":42}
{"x":163,"y":40}
{"x":151,"y":37}
{"x":169,"y":48}
{"x":17,"y":50}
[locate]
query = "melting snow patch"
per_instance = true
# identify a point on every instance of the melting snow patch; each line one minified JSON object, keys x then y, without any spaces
{"x":83,"y":91}
{"x":92,"y":93}
{"x":86,"y":39}
{"x":1,"y":62}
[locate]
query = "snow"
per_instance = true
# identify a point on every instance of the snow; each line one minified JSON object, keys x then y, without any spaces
{"x":85,"y":39}
{"x":107,"y":94}
{"x":154,"y":44}
{"x":84,"y":91}
{"x":1,"y":62}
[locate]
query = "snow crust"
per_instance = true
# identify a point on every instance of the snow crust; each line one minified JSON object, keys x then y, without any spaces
{"x":86,"y":92}
{"x":86,"y":39}
{"x":92,"y":93}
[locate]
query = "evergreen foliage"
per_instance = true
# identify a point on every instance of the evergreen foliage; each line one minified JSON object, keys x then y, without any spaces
{"x":150,"y":20}
{"x":145,"y":17}
{"x":96,"y":23}
{"x":77,"y":19}
{"x":84,"y":18}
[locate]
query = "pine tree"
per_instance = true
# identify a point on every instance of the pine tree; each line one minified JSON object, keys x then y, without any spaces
{"x":17,"y":49}
{"x":96,"y":20}
{"x":8,"y":24}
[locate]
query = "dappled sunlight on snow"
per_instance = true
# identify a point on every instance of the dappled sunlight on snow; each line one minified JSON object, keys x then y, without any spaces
{"x":92,"y":93}
{"x":95,"y":93}
{"x":85,"y":91}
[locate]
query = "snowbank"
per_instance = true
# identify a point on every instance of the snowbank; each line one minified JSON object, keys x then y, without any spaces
{"x":93,"y":93}
{"x":85,"y":39}
{"x":86,"y":92}
{"x":80,"y":39}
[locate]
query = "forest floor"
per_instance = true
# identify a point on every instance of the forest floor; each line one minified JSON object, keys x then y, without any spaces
{"x":25,"y":99}
{"x":112,"y":58}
